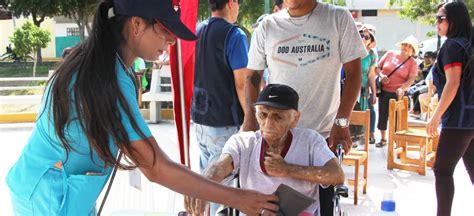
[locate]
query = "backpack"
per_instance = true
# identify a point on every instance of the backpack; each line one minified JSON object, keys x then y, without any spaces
{"x":466,"y":89}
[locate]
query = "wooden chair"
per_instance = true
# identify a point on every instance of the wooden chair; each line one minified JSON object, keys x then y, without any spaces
{"x":403,"y":139}
{"x":433,"y":102}
{"x":357,"y":158}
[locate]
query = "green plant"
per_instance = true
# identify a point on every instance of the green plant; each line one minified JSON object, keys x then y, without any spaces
{"x":38,"y":10}
{"x":336,"y":2}
{"x":29,"y":38}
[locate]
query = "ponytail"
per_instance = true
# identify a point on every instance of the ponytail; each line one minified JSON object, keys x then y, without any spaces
{"x":94,"y":93}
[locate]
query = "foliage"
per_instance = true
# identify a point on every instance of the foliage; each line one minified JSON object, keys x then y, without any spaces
{"x":424,"y":10}
{"x":249,"y":11}
{"x":336,"y":2}
{"x":29,"y":38}
{"x":80,"y":11}
{"x":38,"y":9}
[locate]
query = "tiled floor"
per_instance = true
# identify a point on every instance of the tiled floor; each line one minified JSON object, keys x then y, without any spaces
{"x":414,"y":194}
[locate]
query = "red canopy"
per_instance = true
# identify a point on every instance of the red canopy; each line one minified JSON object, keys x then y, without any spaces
{"x":188,"y":9}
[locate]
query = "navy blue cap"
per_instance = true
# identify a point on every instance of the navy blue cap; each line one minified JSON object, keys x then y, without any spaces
{"x":160,"y":10}
{"x":278,"y":96}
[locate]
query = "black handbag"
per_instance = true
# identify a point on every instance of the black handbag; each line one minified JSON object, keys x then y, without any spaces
{"x":378,"y":79}
{"x":378,"y":86}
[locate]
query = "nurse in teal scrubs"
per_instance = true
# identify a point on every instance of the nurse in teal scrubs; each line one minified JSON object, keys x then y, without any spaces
{"x":90,"y":113}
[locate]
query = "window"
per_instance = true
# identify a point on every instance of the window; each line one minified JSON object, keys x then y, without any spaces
{"x":72,"y":31}
{"x":366,"y":13}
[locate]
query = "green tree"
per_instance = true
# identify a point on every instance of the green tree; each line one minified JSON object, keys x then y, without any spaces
{"x":424,"y":10}
{"x":38,"y":9}
{"x":80,"y":11}
{"x":249,"y":11}
{"x":4,"y":13}
{"x":336,"y":2}
{"x":4,"y":3}
{"x":27,"y":39}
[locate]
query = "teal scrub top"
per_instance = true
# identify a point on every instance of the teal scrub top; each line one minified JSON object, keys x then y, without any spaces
{"x":38,"y":188}
{"x":369,"y":61}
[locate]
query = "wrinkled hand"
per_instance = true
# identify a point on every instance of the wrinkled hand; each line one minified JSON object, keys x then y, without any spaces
{"x":252,"y":203}
{"x":374,"y":99}
{"x":275,"y":165}
{"x":268,"y":213}
{"x":385,"y":79}
{"x":342,"y":136}
{"x":194,"y":206}
{"x":156,"y":64}
{"x":432,"y":126}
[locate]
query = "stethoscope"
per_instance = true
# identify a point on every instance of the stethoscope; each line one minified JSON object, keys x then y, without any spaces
{"x":129,"y":72}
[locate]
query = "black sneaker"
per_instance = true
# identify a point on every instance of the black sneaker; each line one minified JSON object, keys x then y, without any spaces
{"x":382,"y":143}
{"x":371,"y":140}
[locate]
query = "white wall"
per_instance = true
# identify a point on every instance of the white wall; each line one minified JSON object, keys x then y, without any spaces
{"x":61,"y":28}
{"x":368,"y":4}
{"x":6,"y":30}
{"x":392,"y":29}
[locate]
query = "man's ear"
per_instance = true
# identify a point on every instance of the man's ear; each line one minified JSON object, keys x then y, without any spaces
{"x":296,"y":118}
{"x":230,"y":4}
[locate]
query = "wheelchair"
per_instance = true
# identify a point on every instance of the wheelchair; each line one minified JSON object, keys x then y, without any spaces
{"x":339,"y":191}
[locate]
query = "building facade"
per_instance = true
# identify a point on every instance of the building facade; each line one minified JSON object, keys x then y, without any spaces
{"x":391,"y":28}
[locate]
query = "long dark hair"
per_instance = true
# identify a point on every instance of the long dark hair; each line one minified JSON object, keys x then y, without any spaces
{"x":93,"y":97}
{"x":458,"y":18}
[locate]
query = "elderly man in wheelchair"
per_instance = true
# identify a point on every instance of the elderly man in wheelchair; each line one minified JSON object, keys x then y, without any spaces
{"x":279,"y":153}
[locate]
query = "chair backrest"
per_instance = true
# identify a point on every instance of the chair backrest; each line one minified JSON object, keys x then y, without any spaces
{"x":362,"y":118}
{"x":398,"y":115}
{"x":157,"y":78}
{"x":430,"y":93}
{"x":165,"y":71}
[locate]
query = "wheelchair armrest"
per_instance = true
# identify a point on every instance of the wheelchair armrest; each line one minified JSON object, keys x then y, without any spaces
{"x":341,"y":190}
{"x":230,"y":178}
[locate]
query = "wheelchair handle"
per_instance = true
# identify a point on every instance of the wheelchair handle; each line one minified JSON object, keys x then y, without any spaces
{"x":340,"y":153}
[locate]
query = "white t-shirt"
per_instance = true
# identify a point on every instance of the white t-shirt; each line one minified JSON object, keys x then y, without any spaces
{"x":307,"y":54}
{"x":308,"y":148}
